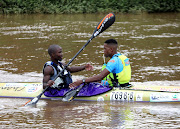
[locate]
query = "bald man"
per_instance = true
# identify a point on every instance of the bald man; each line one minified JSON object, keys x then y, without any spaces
{"x":53,"y":67}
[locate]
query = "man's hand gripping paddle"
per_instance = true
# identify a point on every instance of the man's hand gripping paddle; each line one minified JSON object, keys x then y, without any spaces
{"x":105,"y":23}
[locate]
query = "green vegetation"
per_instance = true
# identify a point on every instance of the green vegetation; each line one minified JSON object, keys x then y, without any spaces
{"x":87,"y":6}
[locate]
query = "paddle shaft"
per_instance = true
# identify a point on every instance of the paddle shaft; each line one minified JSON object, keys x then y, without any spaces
{"x":39,"y":96}
{"x":73,"y":58}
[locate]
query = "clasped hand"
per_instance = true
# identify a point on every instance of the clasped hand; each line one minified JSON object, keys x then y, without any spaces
{"x":88,"y":67}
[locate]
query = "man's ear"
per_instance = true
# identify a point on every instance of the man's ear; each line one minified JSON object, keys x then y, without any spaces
{"x":52,"y":54}
{"x":111,"y":49}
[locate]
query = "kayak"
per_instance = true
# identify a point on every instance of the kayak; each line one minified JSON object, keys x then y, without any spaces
{"x":136,"y":93}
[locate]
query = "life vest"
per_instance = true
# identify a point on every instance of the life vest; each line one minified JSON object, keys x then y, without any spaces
{"x":109,"y":78}
{"x":64,"y":79}
{"x":124,"y":76}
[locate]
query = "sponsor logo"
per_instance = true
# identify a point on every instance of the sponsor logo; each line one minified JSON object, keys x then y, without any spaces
{"x":163,"y":97}
{"x":15,"y":84}
{"x":139,"y":97}
{"x":175,"y":97}
{"x":112,"y":61}
{"x":127,"y":62}
{"x":170,"y":89}
{"x":19,"y":87}
{"x":32,"y":89}
{"x":159,"y":97}
{"x":96,"y":33}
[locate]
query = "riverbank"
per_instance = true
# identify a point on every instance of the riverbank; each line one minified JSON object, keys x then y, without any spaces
{"x":86,"y":6}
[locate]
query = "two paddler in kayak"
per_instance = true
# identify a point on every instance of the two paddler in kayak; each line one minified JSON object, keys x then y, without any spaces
{"x":117,"y":72}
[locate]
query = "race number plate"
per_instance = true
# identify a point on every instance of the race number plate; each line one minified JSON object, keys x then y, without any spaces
{"x":122,"y":96}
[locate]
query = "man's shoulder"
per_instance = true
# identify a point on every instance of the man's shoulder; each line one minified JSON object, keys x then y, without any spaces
{"x":48,"y":67}
{"x":48,"y":63}
{"x":48,"y":70}
{"x":115,"y":58}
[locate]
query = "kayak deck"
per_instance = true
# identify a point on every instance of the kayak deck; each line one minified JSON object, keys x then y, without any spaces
{"x":138,"y":93}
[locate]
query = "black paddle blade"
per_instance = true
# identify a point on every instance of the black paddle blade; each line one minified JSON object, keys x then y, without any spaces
{"x":69,"y":96}
{"x":106,"y":22}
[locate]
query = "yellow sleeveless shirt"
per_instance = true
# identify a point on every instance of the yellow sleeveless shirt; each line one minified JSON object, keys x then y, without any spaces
{"x":124,"y":76}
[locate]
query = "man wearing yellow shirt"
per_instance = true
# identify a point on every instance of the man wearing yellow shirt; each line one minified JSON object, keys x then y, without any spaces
{"x":117,"y":70}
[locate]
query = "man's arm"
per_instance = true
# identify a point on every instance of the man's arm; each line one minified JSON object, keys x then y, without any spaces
{"x":95,"y":78}
{"x":79,"y":68}
{"x":48,"y":71}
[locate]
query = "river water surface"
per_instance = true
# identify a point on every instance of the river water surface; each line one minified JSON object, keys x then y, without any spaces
{"x":151,"y":41}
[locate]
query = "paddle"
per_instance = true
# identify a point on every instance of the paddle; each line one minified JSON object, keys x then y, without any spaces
{"x":106,"y":22}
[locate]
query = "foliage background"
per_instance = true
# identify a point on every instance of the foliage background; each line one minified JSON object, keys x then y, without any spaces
{"x":87,"y":6}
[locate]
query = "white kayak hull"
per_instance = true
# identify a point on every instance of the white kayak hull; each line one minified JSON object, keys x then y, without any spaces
{"x":138,"y":93}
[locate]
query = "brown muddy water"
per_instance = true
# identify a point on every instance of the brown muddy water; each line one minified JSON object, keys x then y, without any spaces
{"x":151,"y":41}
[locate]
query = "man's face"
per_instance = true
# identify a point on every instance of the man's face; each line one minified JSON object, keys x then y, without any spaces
{"x":107,"y":50}
{"x":58,"y":55}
